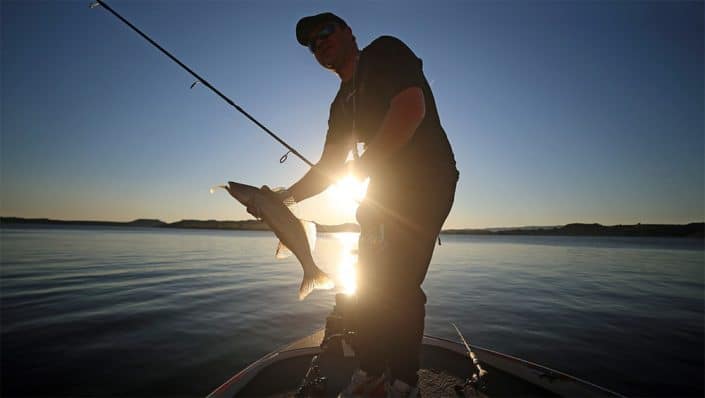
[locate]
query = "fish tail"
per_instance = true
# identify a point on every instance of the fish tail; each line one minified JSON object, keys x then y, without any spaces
{"x":315,"y":279}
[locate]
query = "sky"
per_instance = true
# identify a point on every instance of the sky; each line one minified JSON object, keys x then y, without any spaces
{"x":557,"y":112}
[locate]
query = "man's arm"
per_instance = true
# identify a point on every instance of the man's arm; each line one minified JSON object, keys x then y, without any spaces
{"x":406,"y":111}
{"x":323,"y":174}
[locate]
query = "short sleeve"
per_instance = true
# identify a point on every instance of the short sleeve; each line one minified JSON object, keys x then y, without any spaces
{"x":392,"y":67}
{"x":338,"y":124}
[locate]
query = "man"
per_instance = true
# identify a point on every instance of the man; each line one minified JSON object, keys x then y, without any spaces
{"x":385,"y":102}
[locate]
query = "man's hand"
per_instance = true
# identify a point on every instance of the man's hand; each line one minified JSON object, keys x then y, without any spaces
{"x":281,"y":196}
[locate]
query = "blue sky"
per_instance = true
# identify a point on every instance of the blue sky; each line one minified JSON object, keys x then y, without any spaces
{"x":557,"y":112}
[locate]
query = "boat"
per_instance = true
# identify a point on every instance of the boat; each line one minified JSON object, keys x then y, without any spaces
{"x":320,"y":365}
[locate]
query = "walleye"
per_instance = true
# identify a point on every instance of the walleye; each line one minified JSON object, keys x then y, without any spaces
{"x":289,"y":229}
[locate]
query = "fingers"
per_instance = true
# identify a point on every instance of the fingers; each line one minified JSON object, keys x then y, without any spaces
{"x":281,"y":195}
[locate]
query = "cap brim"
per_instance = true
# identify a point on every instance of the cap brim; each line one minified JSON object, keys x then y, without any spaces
{"x":307,"y":24}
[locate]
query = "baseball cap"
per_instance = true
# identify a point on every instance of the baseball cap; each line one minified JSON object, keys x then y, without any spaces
{"x":306,"y":24}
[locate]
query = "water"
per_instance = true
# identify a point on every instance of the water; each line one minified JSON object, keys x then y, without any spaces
{"x":151,"y":312}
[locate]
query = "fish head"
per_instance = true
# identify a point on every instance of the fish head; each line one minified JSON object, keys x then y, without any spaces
{"x":244,"y":194}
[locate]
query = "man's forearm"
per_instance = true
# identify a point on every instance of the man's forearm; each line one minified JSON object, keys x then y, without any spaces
{"x":323,"y":174}
{"x":311,"y":184}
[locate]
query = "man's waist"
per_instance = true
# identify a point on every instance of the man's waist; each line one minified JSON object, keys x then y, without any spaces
{"x":402,"y":175}
{"x":417,"y":162}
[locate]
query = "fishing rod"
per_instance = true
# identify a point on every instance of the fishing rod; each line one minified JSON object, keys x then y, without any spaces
{"x":476,"y":380}
{"x":204,"y":82}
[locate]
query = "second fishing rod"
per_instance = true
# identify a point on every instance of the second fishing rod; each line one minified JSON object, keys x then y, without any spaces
{"x":203,"y":81}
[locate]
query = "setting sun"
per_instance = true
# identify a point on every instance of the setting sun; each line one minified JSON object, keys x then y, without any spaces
{"x":348,"y":192}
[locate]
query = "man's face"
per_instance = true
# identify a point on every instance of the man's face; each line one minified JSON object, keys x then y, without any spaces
{"x":330,"y":43}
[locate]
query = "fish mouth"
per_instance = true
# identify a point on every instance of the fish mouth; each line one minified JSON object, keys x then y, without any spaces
{"x":242,"y":192}
{"x":214,"y":187}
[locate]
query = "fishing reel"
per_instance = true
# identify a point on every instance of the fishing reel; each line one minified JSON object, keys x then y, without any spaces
{"x":474,"y":386}
{"x":338,"y":340}
{"x":313,"y":384}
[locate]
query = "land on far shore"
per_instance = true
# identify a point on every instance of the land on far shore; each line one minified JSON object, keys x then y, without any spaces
{"x":243,"y":225}
{"x":692,"y":230}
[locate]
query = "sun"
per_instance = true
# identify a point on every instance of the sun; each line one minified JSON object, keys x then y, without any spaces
{"x":348,"y":192}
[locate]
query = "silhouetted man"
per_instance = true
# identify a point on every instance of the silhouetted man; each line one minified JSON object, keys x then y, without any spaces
{"x":385,"y":102}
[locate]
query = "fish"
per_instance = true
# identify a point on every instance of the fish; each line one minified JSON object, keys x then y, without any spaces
{"x":291,"y":231}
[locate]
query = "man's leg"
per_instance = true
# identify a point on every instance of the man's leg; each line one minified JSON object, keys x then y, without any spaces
{"x":369,"y":344}
{"x":371,"y":312}
{"x":398,"y":234}
{"x":411,"y":241}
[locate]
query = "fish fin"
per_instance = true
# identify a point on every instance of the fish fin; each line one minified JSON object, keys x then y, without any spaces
{"x":315,"y":279}
{"x":282,"y":251}
{"x":310,"y":230}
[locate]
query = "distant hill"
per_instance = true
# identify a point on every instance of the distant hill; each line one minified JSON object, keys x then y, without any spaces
{"x":254,"y":225}
{"x":247,"y":225}
{"x":45,"y":221}
{"x":692,"y":230}
{"x":243,"y":225}
{"x":348,"y":227}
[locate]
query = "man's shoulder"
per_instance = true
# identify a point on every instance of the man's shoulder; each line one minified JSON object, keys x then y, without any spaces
{"x":384,"y":44}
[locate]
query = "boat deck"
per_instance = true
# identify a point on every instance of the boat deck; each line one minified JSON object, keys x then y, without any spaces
{"x":442,"y":370}
{"x":444,"y":365}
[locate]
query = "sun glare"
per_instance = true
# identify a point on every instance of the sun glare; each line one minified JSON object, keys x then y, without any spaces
{"x":348,"y":192}
{"x":348,"y":261}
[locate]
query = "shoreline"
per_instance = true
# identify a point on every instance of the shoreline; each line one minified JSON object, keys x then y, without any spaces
{"x":691,"y":230}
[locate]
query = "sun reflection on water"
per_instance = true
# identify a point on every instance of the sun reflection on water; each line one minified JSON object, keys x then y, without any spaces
{"x":348,"y":261}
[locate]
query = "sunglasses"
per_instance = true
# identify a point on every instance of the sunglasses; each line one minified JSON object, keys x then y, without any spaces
{"x":322,"y":34}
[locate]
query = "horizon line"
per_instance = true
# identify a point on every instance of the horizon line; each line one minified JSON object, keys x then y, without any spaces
{"x":344,"y":223}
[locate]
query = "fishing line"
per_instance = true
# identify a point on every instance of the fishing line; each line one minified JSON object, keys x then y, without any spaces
{"x":199,"y":79}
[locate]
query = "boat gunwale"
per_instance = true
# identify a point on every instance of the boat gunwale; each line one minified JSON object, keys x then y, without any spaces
{"x":284,"y":352}
{"x":545,"y":378}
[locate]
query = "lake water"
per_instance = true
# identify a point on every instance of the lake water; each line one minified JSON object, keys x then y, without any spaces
{"x":153,"y":312}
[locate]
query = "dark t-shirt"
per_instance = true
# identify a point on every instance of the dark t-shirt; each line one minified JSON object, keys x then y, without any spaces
{"x":387,"y":67}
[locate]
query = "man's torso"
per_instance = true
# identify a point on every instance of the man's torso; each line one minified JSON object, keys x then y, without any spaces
{"x":387,"y":67}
